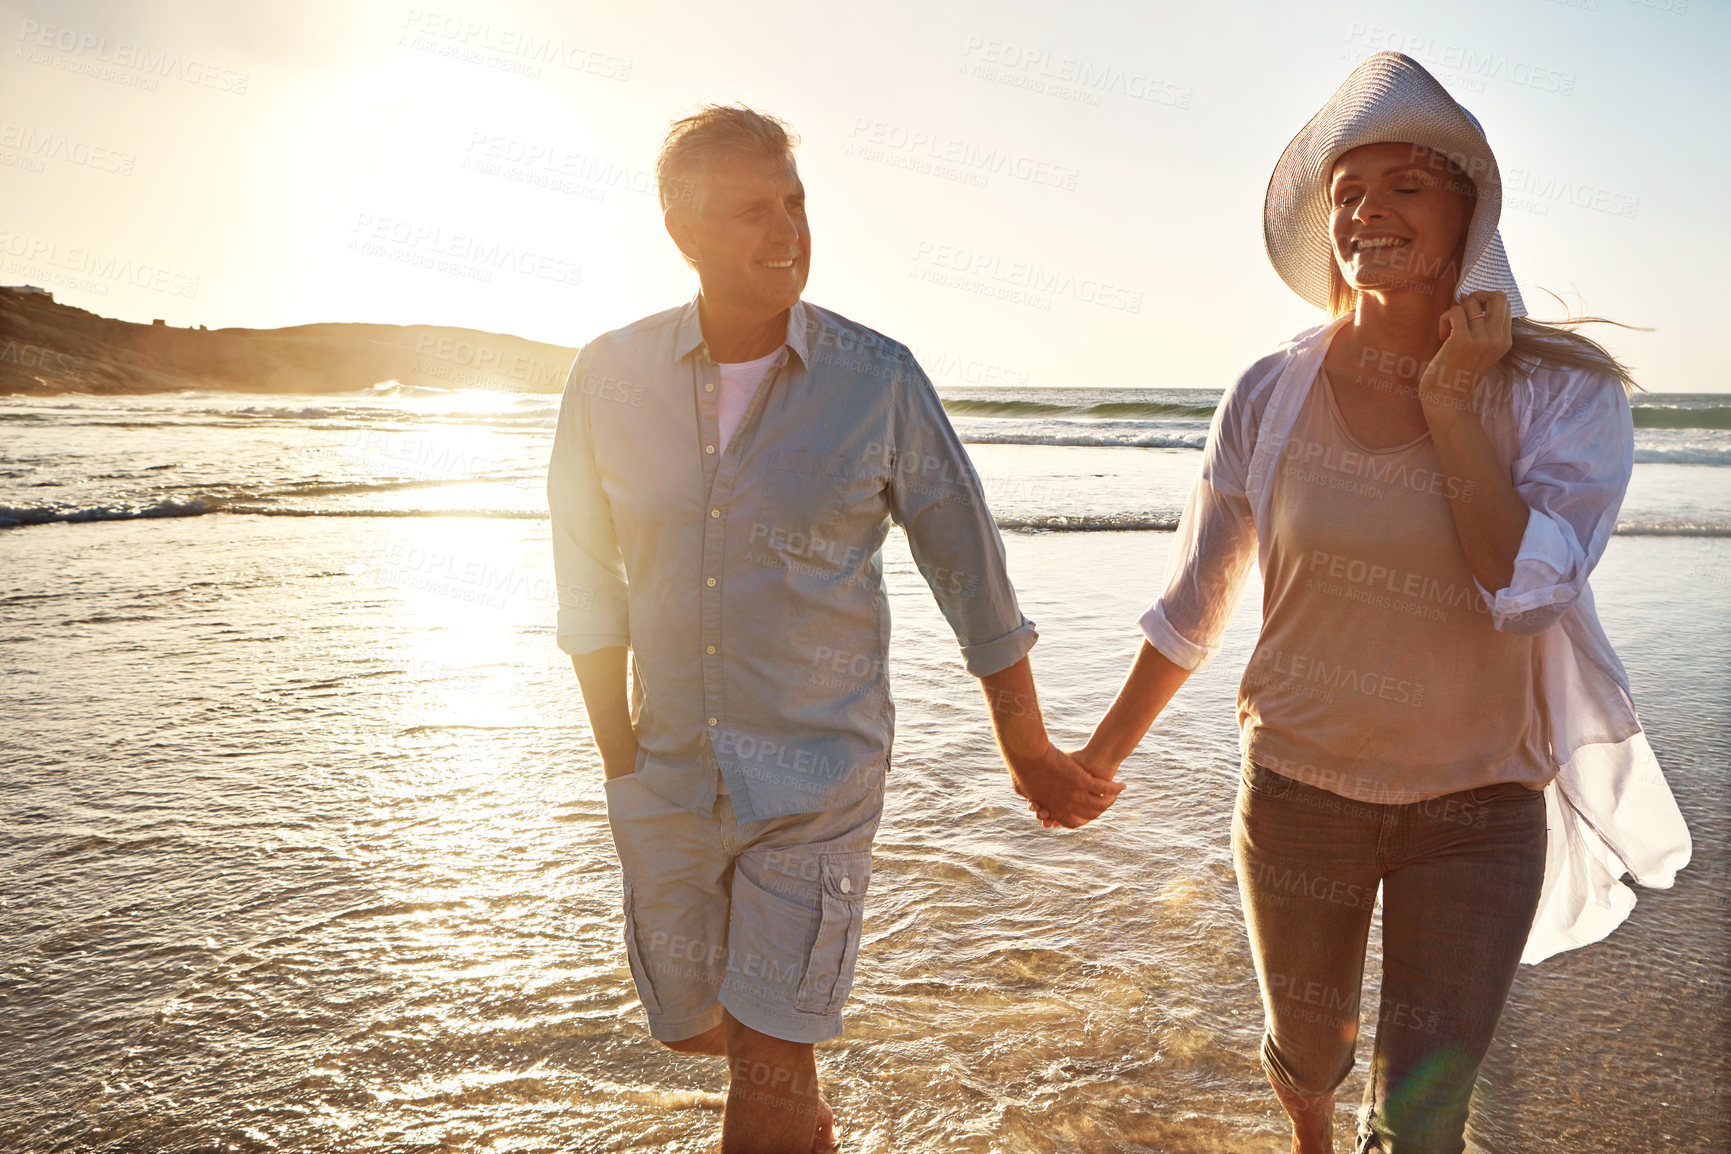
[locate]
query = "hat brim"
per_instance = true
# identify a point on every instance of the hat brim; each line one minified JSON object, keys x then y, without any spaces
{"x":1388,"y":99}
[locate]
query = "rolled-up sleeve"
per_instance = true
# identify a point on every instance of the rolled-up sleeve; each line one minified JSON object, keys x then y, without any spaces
{"x":1577,"y":457}
{"x":936,"y":497}
{"x":588,"y":568}
{"x":1215,"y":545}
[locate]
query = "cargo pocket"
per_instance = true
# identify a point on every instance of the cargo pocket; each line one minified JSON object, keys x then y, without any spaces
{"x":633,"y":955}
{"x":829,"y":970}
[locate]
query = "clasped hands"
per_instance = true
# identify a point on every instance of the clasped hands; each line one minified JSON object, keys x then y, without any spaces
{"x":1066,"y":789}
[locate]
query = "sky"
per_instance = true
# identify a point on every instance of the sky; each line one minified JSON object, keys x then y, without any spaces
{"x":1037,"y":195}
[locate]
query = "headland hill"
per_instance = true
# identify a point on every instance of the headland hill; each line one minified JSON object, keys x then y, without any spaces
{"x":48,"y":348}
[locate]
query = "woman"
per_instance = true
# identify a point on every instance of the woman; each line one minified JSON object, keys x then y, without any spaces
{"x":1426,"y":481}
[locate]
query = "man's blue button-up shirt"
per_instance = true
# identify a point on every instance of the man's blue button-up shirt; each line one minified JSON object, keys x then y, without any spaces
{"x":748,"y":583}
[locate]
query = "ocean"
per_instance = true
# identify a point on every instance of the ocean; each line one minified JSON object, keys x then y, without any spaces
{"x":303,"y":844}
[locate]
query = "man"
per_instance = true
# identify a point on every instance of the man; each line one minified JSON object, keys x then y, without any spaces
{"x":722,"y":478}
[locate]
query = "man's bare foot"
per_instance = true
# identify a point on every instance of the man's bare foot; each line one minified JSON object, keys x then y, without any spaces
{"x":823,"y":1142}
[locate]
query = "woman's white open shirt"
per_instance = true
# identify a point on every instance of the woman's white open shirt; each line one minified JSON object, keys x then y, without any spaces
{"x":1609,"y":810}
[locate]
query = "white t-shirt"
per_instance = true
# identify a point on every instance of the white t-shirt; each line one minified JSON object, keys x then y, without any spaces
{"x":739,"y":382}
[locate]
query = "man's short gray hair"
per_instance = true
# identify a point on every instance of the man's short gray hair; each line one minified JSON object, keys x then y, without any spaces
{"x":713,"y":133}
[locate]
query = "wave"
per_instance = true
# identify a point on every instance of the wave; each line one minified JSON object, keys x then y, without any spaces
{"x":1651,"y":411}
{"x":377,"y":413}
{"x":12,"y":516}
{"x":1120,"y":438}
{"x":1682,"y":416}
{"x":1160,"y":522}
{"x":1681,"y":455}
{"x":1672,"y":529}
{"x":310,"y":413}
{"x":395,"y":388}
{"x":1168,"y":522}
{"x":391,"y":402}
{"x":15,"y":516}
{"x":487,"y":514}
{"x":1087,"y":523}
{"x":1101,"y":410}
{"x":305,"y":489}
{"x":18,"y":516}
{"x":1169,"y":439}
{"x":1663,"y":445}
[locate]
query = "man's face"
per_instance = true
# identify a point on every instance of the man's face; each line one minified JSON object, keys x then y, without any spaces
{"x":748,"y":235}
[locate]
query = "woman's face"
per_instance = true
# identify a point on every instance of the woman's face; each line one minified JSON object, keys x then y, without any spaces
{"x":1398,"y":218}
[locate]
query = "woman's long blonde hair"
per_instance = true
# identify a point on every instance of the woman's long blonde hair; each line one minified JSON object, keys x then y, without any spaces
{"x":1535,"y":343}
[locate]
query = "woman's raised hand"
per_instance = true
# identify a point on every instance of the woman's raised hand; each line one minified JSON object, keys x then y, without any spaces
{"x":1476,"y":332}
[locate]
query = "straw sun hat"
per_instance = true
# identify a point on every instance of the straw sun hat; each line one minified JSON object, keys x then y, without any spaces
{"x":1388,"y":99}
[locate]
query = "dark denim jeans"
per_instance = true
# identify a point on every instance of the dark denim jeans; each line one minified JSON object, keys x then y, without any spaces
{"x":1460,"y":878}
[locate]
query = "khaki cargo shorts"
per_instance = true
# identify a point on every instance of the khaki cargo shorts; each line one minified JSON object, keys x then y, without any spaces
{"x":761,"y":917}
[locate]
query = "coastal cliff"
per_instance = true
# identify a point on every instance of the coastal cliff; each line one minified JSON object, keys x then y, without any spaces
{"x":48,"y":348}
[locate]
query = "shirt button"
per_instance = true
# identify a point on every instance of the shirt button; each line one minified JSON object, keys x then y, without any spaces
{"x":1561,"y":595}
{"x":712,"y":721}
{"x":709,"y":448}
{"x":709,"y":388}
{"x":710,"y":582}
{"x":715,"y":512}
{"x":711,"y":649}
{"x":845,"y":885}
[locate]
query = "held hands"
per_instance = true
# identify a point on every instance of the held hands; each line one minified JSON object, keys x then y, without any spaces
{"x":1476,"y":332}
{"x":1065,"y":789}
{"x":1059,"y":789}
{"x":1152,"y":682}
